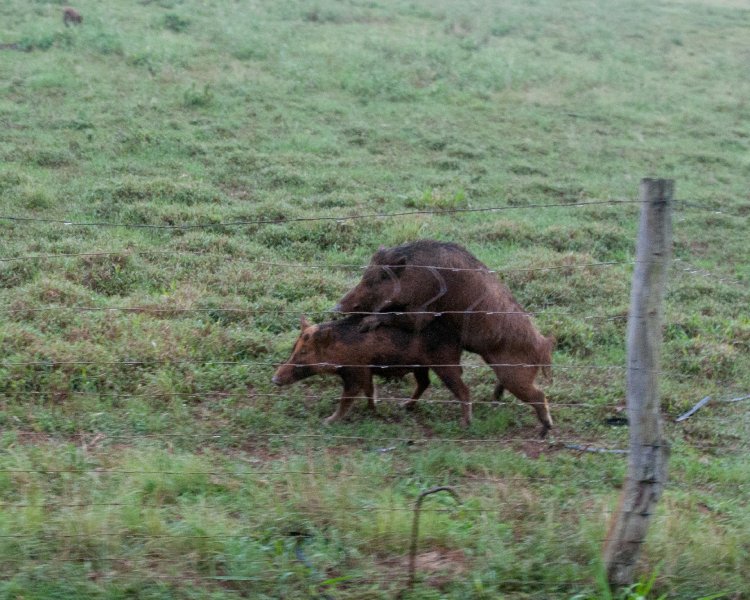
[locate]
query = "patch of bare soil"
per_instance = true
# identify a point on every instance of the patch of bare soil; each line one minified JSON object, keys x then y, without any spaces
{"x":437,"y":567}
{"x":442,"y":561}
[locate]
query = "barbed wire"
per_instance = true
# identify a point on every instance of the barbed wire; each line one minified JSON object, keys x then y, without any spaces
{"x":394,"y":573}
{"x":378,"y":399}
{"x":346,"y":580}
{"x":297,"y":312}
{"x":368,"y":507}
{"x":342,"y":218}
{"x":325,"y":365}
{"x":312,"y":266}
{"x":136,"y":535}
{"x":499,"y":506}
{"x":689,"y":268}
{"x":239,"y":473}
{"x":318,"y":396}
{"x":552,"y":443}
{"x":557,"y":443}
{"x":85,"y":505}
{"x":326,"y":436}
{"x":686,"y":204}
{"x":392,"y":578}
{"x":339,"y":218}
{"x":466,"y":482}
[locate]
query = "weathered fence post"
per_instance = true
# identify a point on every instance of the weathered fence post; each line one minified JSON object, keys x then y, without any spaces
{"x":647,"y":464}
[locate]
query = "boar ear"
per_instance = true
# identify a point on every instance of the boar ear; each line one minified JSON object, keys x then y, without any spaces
{"x":303,"y":322}
{"x":324,"y":335}
{"x":399,"y":263}
{"x":379,"y":256}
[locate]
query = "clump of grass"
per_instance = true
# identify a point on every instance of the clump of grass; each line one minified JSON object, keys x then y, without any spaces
{"x":198,"y":98}
{"x":105,"y":43}
{"x":439,"y":200}
{"x":176,"y":23}
{"x":50,"y":158}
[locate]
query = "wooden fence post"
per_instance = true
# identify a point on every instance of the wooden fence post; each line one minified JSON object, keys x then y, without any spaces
{"x":647,"y":464}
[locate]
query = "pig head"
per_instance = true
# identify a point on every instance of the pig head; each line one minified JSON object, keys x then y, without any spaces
{"x":307,"y":355}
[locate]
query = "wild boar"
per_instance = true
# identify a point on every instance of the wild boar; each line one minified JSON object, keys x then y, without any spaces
{"x":413,"y":283}
{"x":71,"y":15}
{"x":341,"y":348}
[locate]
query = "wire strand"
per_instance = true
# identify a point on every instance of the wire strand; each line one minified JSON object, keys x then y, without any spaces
{"x":340,"y":218}
{"x":322,"y":365}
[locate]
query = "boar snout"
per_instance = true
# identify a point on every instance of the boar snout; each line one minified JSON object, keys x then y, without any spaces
{"x":284,"y":375}
{"x":347,"y":306}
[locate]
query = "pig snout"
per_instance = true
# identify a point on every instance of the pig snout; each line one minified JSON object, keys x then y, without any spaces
{"x":283,"y":375}
{"x":346,"y":306}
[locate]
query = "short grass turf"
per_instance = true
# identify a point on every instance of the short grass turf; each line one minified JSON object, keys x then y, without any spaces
{"x":184,"y":473}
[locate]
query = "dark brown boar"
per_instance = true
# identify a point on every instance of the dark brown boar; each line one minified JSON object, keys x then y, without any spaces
{"x":341,"y":348}
{"x":413,"y":283}
{"x":71,"y":15}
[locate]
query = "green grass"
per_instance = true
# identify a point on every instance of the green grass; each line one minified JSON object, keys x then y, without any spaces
{"x":160,"y":479}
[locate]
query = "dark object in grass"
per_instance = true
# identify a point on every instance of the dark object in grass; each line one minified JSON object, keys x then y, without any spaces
{"x":71,"y":15}
{"x":430,"y":280}
{"x":300,"y":539}
{"x":341,"y":348}
{"x":616,"y":421}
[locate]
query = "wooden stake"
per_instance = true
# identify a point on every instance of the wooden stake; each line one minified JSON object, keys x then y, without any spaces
{"x":647,"y":465}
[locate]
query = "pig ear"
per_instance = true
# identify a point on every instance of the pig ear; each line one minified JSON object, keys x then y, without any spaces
{"x":303,"y":322}
{"x":324,"y":335}
{"x":378,"y":256}
{"x":399,"y":263}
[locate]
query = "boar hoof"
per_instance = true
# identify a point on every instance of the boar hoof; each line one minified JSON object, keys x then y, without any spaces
{"x":332,"y":419}
{"x":409,"y":404}
{"x":545,"y":430}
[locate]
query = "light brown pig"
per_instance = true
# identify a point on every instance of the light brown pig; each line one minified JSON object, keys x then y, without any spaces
{"x":341,"y":348}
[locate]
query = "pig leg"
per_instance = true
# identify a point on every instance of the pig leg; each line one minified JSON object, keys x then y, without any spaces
{"x":422,"y":375}
{"x":371,"y":393}
{"x":451,"y":377}
{"x":534,"y":396}
{"x":497,"y":393}
{"x":345,"y":403}
{"x":354,"y":382}
{"x":519,"y":381}
{"x":352,"y":386}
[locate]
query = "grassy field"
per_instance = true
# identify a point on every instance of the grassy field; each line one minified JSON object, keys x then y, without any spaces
{"x":145,"y":452}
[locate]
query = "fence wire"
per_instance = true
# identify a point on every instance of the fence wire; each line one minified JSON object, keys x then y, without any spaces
{"x":467,"y":479}
{"x":376,"y":215}
{"x":338,"y":218}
